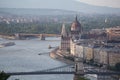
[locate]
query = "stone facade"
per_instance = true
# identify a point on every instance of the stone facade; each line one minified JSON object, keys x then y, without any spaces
{"x":100,"y":55}
{"x":65,"y":43}
{"x":113,"y":33}
{"x":107,"y":56}
{"x":103,"y":57}
{"x":79,"y":50}
{"x":88,"y":53}
{"x":114,"y":57}
{"x":65,"y":40}
{"x":73,"y":48}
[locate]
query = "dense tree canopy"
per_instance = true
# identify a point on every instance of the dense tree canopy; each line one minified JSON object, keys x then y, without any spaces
{"x":87,"y":22}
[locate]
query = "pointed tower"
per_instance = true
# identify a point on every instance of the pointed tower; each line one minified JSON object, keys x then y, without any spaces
{"x":63,"y":33}
{"x":76,"y":29}
{"x":65,"y":40}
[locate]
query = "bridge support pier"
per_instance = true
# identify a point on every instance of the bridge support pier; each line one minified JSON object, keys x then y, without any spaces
{"x":17,"y":36}
{"x":79,"y":68}
{"x":42,"y":37}
{"x":76,"y":77}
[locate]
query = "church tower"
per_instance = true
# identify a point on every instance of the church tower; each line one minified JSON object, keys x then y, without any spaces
{"x":65,"y":39}
{"x":76,"y":30}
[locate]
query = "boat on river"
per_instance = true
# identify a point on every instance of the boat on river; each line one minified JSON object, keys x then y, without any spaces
{"x":49,"y":47}
{"x":7,"y":44}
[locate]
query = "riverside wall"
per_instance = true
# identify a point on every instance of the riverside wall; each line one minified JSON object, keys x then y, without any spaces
{"x":58,"y":56}
{"x":7,"y":37}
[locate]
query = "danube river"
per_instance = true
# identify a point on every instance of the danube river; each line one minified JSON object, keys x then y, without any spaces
{"x":24,"y":56}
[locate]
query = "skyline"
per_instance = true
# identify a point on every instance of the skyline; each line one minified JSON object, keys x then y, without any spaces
{"x":56,"y":4}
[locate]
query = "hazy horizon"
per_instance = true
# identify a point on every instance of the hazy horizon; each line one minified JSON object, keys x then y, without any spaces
{"x":56,"y":4}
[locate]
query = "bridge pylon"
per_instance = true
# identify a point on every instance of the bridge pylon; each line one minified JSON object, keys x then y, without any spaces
{"x":42,"y":37}
{"x":17,"y":36}
{"x":79,"y":66}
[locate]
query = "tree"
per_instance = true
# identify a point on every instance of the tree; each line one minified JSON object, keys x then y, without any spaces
{"x":83,"y":78}
{"x":4,"y":76}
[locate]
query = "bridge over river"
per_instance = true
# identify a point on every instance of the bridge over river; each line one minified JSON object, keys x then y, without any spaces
{"x":27,"y":35}
{"x":42,"y":36}
{"x":70,"y":69}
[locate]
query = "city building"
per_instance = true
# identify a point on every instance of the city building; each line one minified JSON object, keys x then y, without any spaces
{"x":108,"y":56}
{"x":65,"y":40}
{"x":76,"y":31}
{"x":113,"y":34}
{"x":98,"y":46}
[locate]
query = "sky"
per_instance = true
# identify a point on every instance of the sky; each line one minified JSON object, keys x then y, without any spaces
{"x":108,"y":3}
{"x":58,"y":4}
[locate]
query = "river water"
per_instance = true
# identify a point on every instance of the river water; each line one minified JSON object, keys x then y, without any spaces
{"x":24,"y":56}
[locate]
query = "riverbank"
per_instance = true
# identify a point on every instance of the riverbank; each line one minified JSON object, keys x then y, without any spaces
{"x":55,"y":54}
{"x":7,"y":37}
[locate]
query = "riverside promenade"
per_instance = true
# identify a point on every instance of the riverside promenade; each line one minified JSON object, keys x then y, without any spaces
{"x":57,"y":54}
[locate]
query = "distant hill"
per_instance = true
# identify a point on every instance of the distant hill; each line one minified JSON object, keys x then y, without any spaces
{"x":73,"y":7}
{"x":28,"y":11}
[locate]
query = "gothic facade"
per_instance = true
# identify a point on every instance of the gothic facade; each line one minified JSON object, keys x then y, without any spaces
{"x":67,"y":39}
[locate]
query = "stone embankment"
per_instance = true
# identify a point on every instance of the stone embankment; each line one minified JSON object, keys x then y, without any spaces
{"x":7,"y":37}
{"x":55,"y":54}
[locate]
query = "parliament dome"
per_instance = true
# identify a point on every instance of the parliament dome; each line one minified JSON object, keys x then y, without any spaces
{"x":76,"y":26}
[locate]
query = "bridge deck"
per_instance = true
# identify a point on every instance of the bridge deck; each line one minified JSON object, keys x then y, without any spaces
{"x":38,"y":73}
{"x":62,"y":72}
{"x":67,"y":69}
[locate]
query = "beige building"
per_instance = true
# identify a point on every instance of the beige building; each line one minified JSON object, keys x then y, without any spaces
{"x":88,"y":53}
{"x":79,"y":50}
{"x":72,"y":48}
{"x":114,"y":57}
{"x":103,"y":56}
{"x":100,"y":56}
{"x":107,"y":56}
{"x":113,"y":33}
{"x":85,"y":52}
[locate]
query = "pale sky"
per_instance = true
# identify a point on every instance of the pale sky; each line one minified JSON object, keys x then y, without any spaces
{"x":109,"y":3}
{"x":58,"y":4}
